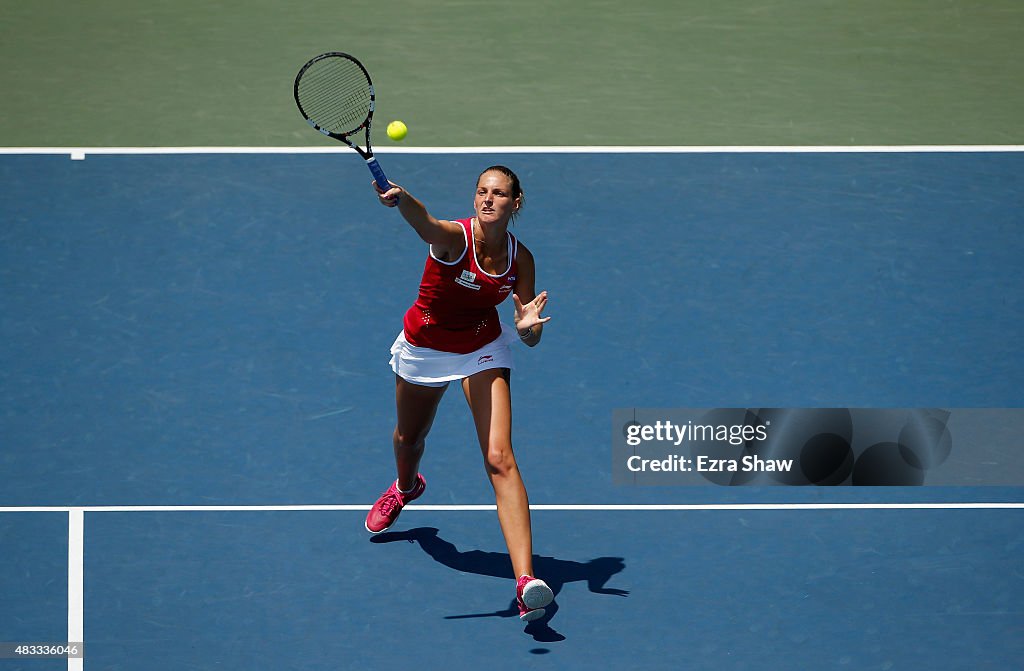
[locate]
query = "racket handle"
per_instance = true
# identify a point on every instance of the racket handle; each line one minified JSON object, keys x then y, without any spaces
{"x":378,"y":173}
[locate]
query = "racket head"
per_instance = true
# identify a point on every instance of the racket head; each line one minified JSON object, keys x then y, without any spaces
{"x":334,"y":93}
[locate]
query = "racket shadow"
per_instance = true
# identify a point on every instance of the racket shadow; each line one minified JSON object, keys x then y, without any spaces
{"x":555,"y":572}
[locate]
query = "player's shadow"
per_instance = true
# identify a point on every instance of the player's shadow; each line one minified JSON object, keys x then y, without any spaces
{"x":555,"y":572}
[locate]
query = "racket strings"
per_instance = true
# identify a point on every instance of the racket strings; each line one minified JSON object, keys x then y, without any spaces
{"x":335,"y":93}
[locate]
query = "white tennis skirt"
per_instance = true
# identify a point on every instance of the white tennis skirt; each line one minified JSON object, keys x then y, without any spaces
{"x":432,"y":368}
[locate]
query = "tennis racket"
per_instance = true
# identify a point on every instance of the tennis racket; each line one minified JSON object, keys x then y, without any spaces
{"x":335,"y":95}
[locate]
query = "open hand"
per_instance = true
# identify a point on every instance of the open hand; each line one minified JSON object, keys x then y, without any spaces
{"x":530,"y":314}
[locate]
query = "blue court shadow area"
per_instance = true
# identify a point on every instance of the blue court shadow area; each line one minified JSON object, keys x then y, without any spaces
{"x":763,"y":590}
{"x":33,"y":584}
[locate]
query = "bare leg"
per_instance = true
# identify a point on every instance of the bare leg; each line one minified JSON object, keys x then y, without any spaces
{"x":417,"y":406}
{"x":490,"y":400}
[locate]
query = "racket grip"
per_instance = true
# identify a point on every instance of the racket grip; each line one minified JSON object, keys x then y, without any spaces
{"x":378,"y":173}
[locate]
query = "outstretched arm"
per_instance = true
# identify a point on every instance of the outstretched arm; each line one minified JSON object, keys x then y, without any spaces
{"x":446,"y":237}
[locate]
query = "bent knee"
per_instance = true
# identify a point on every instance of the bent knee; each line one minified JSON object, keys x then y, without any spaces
{"x":500,"y":460}
{"x":408,"y":441}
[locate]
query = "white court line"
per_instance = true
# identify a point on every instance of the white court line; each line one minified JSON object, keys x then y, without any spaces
{"x":79,"y":153}
{"x":998,"y":505}
{"x":76,"y":582}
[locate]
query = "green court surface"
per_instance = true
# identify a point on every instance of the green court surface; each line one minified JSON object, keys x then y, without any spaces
{"x":645,"y":72}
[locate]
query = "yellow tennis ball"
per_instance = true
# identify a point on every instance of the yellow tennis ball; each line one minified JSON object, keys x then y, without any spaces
{"x":397,"y":130}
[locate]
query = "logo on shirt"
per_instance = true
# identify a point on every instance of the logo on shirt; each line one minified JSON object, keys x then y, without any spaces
{"x":467,"y":280}
{"x":487,"y":358}
{"x":505,"y":288}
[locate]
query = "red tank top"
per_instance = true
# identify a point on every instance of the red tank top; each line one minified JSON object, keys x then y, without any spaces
{"x":456,"y":307}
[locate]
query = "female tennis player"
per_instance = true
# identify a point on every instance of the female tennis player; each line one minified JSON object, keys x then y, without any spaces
{"x":452,"y":332}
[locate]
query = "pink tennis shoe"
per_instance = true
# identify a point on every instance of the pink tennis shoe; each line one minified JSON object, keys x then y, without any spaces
{"x":387,"y":508}
{"x":532,"y":595}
